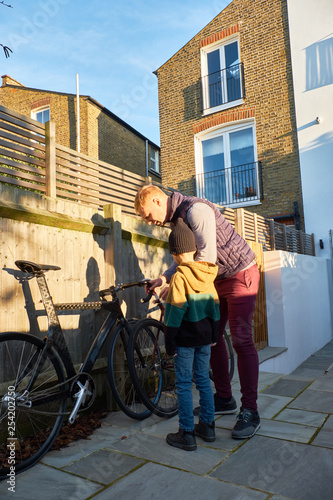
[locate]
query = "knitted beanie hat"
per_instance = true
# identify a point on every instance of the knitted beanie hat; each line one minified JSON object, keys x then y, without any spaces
{"x":181,"y":239}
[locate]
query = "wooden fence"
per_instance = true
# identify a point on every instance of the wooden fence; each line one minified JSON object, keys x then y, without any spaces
{"x":31,"y":159}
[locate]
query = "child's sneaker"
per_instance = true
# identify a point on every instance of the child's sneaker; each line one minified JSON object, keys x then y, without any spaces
{"x":205,"y":431}
{"x":182,"y":439}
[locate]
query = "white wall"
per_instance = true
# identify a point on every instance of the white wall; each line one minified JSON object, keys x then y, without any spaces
{"x":311,"y":40}
{"x":299,"y":307}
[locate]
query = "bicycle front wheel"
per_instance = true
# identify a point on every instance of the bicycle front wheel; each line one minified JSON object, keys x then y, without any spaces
{"x":32,"y":401}
{"x":120,"y":379}
{"x":151,"y":369}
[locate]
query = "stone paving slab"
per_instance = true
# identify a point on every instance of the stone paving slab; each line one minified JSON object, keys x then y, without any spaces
{"x":303,"y":373}
{"x":325,"y":435}
{"x":323,"y":383}
{"x":42,"y":482}
{"x":269,"y":405}
{"x":78,"y":449}
{"x":286,"y":430}
{"x":286,"y":387}
{"x":319,"y":401}
{"x":153,"y":481}
{"x":155,"y":449}
{"x":223,"y":440}
{"x":294,"y":470}
{"x":302,"y":417}
{"x":104,"y":466}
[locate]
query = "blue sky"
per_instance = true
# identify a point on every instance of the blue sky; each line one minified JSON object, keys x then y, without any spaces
{"x":114,"y":46}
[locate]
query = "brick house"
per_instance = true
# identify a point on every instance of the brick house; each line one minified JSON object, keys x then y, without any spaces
{"x":103,"y":135}
{"x":227,"y":113}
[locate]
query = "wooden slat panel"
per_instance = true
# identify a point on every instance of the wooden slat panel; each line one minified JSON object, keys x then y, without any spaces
{"x":23,"y":184}
{"x":21,"y":166}
{"x":260,"y":331}
{"x":105,"y":166}
{"x":16,"y":147}
{"x":11,"y":116}
{"x":21,"y":140}
{"x":23,"y":175}
{"x":22,"y":132}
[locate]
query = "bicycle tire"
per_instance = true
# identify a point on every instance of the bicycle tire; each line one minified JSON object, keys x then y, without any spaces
{"x":30,"y":431}
{"x":152,"y":371}
{"x":231,"y":357}
{"x":120,"y":379}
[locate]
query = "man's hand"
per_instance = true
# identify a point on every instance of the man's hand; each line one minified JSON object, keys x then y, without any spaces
{"x":158,"y":285}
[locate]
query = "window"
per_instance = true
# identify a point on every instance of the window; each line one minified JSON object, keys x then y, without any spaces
{"x":222,"y":77}
{"x":42,"y":115}
{"x":227,"y":167}
{"x":154,"y":163}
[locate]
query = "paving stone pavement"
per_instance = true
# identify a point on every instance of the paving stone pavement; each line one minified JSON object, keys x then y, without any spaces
{"x":290,"y":457}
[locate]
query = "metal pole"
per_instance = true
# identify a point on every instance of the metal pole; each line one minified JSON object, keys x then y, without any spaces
{"x":78,"y":145}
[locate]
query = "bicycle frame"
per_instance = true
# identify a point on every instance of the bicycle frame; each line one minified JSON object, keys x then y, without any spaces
{"x":55,"y":336}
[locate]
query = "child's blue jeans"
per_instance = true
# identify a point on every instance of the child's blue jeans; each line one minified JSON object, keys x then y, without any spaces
{"x":193,"y":362}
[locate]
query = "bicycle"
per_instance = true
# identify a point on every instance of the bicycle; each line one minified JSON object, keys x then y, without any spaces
{"x":151,"y":370}
{"x":38,"y":376}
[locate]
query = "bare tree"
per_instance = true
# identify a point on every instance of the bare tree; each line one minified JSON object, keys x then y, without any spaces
{"x":6,"y":49}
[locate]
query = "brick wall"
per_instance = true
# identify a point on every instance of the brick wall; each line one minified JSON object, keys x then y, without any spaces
{"x":264,"y":50}
{"x":101,"y":136}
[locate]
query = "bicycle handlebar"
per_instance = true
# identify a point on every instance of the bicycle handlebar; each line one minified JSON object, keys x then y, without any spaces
{"x":114,"y":289}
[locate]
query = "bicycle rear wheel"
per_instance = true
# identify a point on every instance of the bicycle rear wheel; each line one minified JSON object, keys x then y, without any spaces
{"x":33,"y":398}
{"x":120,"y":379}
{"x":152,"y":371}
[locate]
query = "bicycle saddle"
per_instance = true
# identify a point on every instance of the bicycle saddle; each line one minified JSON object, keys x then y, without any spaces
{"x":31,"y":267}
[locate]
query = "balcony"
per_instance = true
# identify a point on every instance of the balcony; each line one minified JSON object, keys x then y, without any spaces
{"x":231,"y":186}
{"x":223,"y":87}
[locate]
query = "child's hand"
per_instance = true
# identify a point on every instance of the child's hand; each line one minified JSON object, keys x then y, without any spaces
{"x":213,"y":345}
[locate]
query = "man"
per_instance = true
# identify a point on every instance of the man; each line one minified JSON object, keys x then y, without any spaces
{"x":237,"y":285}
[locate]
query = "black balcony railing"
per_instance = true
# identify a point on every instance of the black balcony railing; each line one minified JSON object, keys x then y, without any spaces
{"x":229,"y":186}
{"x":224,"y":86}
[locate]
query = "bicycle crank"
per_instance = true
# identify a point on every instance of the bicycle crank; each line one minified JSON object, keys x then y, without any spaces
{"x":83,"y":393}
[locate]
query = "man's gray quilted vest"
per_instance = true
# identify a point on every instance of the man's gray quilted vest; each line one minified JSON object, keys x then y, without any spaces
{"x":233,"y":253}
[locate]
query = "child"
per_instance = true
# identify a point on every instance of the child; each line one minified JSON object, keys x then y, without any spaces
{"x":192,"y":325}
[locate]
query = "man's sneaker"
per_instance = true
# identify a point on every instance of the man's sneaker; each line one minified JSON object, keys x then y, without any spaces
{"x":221,"y":406}
{"x":182,"y":439}
{"x":248,"y":422}
{"x":205,"y":431}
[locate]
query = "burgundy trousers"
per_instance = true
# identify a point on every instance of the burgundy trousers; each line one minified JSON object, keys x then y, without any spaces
{"x":237,"y":301}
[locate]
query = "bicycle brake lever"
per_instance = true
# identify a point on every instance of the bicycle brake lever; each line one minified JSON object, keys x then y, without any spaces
{"x":149,"y":296}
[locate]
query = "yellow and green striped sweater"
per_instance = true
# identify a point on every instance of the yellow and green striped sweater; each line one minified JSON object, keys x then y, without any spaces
{"x":192,"y":308}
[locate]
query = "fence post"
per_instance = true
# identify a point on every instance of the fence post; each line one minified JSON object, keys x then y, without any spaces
{"x":50,"y":160}
{"x":239,"y":223}
{"x":313,"y":244}
{"x":113,"y":252}
{"x":255,"y":222}
{"x":148,"y":180}
{"x":301,"y":242}
{"x":272,"y":233}
{"x":284,"y":235}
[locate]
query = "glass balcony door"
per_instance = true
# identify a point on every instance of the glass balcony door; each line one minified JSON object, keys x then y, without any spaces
{"x":228,"y":172}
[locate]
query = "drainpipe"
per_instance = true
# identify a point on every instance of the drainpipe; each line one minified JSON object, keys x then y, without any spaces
{"x":78,"y":145}
{"x":147,"y":151}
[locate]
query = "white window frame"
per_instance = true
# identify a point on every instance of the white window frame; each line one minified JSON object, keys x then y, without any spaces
{"x":225,"y":131}
{"x":154,"y":157}
{"x":34,"y":112}
{"x":204,"y":73}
